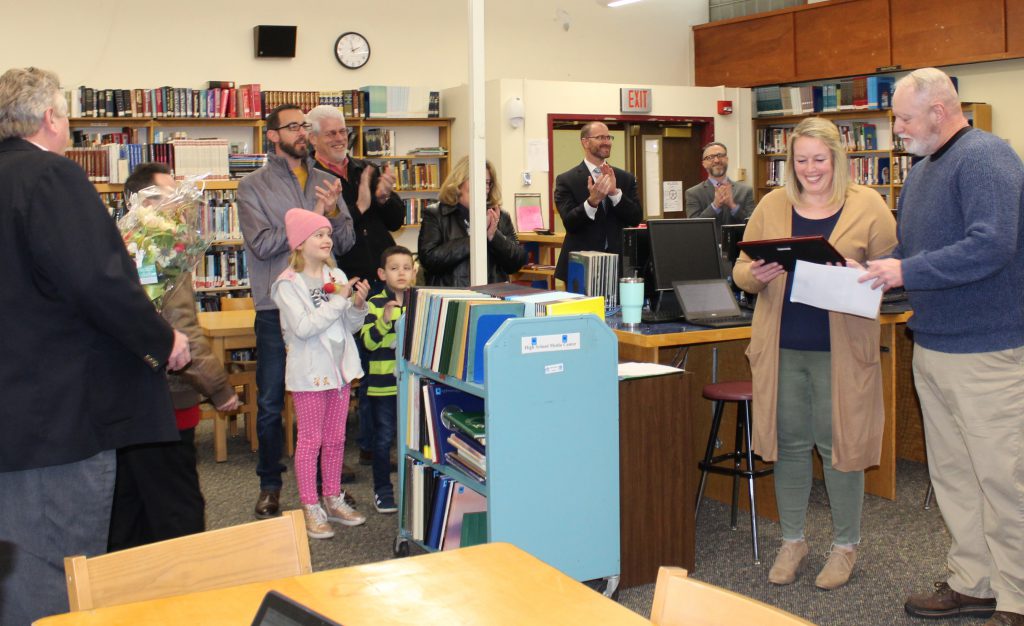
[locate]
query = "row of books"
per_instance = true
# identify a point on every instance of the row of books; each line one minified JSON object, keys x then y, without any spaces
{"x":449,"y":327}
{"x":594,"y":274}
{"x":242,"y":163}
{"x":451,"y":429}
{"x":858,"y":136}
{"x":864,"y":170}
{"x":412,"y":176}
{"x":439,"y":511}
{"x":855,"y":136}
{"x":397,"y":101}
{"x":196,"y":157}
{"x":102,"y":164}
{"x":218,"y":217}
{"x":901,"y":165}
{"x":414,"y":208}
{"x":847,"y":94}
{"x":367,"y":102}
{"x":775,"y":173}
{"x":221,"y":268}
{"x":869,"y":170}
{"x":378,"y":142}
{"x":220,"y":99}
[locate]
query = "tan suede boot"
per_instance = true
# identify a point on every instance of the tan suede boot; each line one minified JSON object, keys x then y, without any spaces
{"x":791,"y":556}
{"x":838,"y":568}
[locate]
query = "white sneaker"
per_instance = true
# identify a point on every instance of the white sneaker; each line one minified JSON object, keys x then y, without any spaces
{"x":317,"y":526}
{"x":339,"y":511}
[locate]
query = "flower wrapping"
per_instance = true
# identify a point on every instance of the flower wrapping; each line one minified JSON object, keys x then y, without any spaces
{"x":164,"y":235}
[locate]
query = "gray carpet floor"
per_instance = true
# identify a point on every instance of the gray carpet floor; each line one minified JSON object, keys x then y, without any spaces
{"x":903,"y":548}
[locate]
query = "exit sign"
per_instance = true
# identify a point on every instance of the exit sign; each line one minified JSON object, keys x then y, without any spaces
{"x":635,"y":100}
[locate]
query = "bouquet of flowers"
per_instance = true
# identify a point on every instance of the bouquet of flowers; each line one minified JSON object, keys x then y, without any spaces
{"x":162,"y":231}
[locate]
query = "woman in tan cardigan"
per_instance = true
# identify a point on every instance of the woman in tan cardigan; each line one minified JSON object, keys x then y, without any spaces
{"x":816,"y":374}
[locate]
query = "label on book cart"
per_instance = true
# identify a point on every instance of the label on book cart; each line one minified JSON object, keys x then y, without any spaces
{"x":551,"y":343}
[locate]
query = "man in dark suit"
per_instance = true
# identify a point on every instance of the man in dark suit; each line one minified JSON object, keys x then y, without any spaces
{"x":595,"y":200}
{"x":729,"y":202}
{"x":81,"y":359}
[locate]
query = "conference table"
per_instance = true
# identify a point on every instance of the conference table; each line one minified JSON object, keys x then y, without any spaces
{"x":494,"y":584}
{"x":714,"y":355}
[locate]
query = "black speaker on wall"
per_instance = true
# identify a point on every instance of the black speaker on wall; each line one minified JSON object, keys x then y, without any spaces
{"x":274,"y":41}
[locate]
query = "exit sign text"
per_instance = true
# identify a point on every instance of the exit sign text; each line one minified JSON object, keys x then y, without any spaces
{"x":635,"y":100}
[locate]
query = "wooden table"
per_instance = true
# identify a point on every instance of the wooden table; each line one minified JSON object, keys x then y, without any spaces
{"x":228,"y":330}
{"x":490,"y":584}
{"x":547,"y":254}
{"x":723,"y":351}
{"x":656,"y":498}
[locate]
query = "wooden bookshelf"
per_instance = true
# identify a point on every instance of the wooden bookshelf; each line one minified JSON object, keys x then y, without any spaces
{"x":887,"y":151}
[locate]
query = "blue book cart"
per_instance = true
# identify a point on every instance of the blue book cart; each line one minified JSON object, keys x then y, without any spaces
{"x":551,"y":403}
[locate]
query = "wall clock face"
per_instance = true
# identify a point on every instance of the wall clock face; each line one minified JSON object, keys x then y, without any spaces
{"x":352,"y":50}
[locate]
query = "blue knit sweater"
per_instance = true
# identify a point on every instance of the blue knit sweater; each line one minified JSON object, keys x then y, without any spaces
{"x":961,"y":239}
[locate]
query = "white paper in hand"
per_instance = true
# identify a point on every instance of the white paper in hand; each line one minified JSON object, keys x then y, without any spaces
{"x":835,"y":289}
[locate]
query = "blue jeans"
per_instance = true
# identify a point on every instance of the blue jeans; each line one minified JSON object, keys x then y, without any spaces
{"x":365,"y":438}
{"x":46,"y":514}
{"x":384,"y":411}
{"x":270,"y":361}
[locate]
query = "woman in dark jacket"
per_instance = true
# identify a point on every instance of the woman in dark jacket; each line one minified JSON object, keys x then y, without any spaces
{"x":444,"y":233}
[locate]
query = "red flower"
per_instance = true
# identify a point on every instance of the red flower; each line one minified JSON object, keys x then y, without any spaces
{"x":330,"y":287}
{"x":179,"y":247}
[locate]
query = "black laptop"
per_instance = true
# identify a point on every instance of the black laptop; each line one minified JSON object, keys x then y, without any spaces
{"x":710,"y":303}
{"x":280,"y":610}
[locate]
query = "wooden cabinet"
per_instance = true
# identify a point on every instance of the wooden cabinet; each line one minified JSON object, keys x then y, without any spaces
{"x":851,"y":37}
{"x":837,"y":39}
{"x":745,"y":52}
{"x":929,"y":33}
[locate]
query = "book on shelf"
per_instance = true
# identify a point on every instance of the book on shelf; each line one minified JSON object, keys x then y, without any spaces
{"x":464,"y":503}
{"x":400,"y":101}
{"x":594,"y":274}
{"x":474,"y":529}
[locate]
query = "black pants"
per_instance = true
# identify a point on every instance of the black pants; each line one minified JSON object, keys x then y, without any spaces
{"x":156,"y":493}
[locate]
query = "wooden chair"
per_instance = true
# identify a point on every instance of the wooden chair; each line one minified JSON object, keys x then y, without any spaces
{"x":236,"y":304}
{"x":253,"y":552}
{"x":244,"y":383}
{"x":680,"y":600}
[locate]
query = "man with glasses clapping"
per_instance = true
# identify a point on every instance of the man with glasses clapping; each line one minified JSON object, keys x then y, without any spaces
{"x":595,"y":200}
{"x":728,"y":201}
{"x":288,"y":180}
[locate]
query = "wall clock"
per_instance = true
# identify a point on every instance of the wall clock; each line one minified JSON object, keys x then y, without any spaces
{"x":352,"y":50}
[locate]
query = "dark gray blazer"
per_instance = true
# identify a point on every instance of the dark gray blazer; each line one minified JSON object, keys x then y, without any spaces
{"x":699,"y":197}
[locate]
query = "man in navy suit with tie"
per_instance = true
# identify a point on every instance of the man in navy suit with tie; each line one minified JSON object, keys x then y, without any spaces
{"x":595,"y":200}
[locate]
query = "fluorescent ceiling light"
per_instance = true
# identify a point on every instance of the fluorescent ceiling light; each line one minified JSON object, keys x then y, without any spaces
{"x":619,"y":3}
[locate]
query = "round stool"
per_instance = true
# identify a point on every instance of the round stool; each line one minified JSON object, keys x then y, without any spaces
{"x":740,"y":392}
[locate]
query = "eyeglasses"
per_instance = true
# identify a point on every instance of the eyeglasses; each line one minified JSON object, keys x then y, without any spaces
{"x":602,"y":137}
{"x":334,"y":133}
{"x":716,"y":157}
{"x":295,"y":126}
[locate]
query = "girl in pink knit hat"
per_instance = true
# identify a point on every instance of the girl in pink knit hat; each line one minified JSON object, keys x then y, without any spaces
{"x":320,"y":309}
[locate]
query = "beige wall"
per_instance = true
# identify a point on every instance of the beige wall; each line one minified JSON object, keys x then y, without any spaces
{"x":507,"y":146}
{"x":1001,"y":84}
{"x":121,"y":43}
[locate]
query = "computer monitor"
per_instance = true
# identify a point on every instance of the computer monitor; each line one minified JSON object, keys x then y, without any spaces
{"x":680,"y":249}
{"x":684,"y":249}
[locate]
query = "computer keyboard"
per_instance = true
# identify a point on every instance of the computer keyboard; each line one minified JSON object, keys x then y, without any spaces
{"x":658,"y":317}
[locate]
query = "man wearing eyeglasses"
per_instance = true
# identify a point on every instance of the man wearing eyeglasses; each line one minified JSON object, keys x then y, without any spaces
{"x":595,"y":200}
{"x":288,"y":180}
{"x":728,"y":201}
{"x":380,"y":212}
